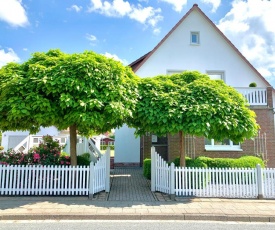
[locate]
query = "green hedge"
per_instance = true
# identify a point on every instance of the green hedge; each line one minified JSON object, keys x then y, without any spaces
{"x":147,"y":168}
{"x":208,"y":162}
{"x":104,"y":147}
{"x":83,"y":159}
{"x":242,"y":162}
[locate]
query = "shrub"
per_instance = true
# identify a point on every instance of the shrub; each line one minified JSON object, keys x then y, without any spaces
{"x":47,"y":152}
{"x":83,"y":159}
{"x":104,"y":147}
{"x":242,"y":162}
{"x":252,"y":84}
{"x":147,"y":168}
{"x":14,"y":158}
{"x":1,"y":148}
{"x":64,"y":159}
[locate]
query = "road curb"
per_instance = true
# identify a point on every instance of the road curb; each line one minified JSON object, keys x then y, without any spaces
{"x":200,"y":217}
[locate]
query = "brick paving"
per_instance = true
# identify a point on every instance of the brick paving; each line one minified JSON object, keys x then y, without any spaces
{"x":129,"y":184}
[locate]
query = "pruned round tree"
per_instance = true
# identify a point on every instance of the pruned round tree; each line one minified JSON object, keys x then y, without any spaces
{"x":85,"y":92}
{"x":191,"y":103}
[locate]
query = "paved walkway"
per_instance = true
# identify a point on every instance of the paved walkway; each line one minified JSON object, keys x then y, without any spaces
{"x":129,"y":184}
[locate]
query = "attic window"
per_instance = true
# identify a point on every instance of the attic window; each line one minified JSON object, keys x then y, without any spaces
{"x":195,"y":38}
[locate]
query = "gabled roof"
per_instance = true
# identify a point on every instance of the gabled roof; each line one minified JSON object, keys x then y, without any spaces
{"x":139,"y":62}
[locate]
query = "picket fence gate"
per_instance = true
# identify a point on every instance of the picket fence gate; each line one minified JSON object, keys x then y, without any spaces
{"x":56,"y":180}
{"x":211,"y":182}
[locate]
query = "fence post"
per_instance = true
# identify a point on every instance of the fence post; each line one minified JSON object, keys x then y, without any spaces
{"x":91,"y":183}
{"x":260,"y":181}
{"x":153,"y":169}
{"x":172,"y":181}
{"x":107,"y":179}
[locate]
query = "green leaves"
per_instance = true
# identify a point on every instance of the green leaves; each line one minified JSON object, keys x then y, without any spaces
{"x":192,"y":103}
{"x":87,"y":89}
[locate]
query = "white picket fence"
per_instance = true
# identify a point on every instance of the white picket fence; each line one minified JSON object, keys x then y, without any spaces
{"x":211,"y":182}
{"x":56,"y":180}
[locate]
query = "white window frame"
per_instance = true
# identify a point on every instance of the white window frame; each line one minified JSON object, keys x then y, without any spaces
{"x":173,"y":71}
{"x":197,"y":34}
{"x":230,"y":147}
{"x":216,"y":72}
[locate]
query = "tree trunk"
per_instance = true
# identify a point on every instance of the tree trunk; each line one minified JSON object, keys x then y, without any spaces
{"x":182,"y":152}
{"x":73,"y":139}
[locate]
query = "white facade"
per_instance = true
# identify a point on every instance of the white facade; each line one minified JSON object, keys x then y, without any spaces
{"x":176,"y":53}
{"x":12,"y":138}
{"x":126,"y":146}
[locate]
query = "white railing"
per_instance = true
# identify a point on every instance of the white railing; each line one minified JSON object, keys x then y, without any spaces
{"x":269,"y":183}
{"x":93,"y":150}
{"x":254,"y":96}
{"x":211,"y":182}
{"x":56,"y":180}
{"x":33,"y":141}
{"x":23,"y":146}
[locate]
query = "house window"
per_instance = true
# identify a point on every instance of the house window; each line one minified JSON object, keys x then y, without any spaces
{"x":172,"y":71}
{"x":195,"y":38}
{"x":224,"y":145}
{"x":216,"y":75}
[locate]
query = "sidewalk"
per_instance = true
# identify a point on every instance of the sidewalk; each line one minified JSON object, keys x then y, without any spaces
{"x":77,"y":208}
{"x":130,"y":198}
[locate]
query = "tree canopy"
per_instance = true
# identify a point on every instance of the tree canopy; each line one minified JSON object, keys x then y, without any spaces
{"x":87,"y":91}
{"x":193,"y":104}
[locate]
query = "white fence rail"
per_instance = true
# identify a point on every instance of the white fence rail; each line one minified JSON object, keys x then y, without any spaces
{"x":100,"y":174}
{"x":211,"y":182}
{"x":56,"y":180}
{"x":268,"y":182}
{"x":43,"y":180}
{"x":254,"y":96}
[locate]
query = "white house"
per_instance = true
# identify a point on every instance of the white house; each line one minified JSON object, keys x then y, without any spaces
{"x":195,"y":43}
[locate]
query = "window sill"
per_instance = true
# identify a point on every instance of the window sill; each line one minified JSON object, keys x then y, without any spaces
{"x":194,"y":44}
{"x":222,"y":149}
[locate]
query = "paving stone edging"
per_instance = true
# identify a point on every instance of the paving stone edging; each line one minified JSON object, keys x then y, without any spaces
{"x":198,"y":217}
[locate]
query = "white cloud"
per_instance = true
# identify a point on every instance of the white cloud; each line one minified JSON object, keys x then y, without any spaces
{"x":75,"y":8}
{"x":177,"y":4}
{"x":115,"y":57}
{"x":250,"y":26}
{"x":8,"y":56}
{"x":12,"y":12}
{"x":91,"y":37}
{"x":215,"y":4}
{"x":120,"y":8}
{"x":156,"y":31}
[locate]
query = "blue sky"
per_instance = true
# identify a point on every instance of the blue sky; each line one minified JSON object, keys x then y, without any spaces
{"x":126,"y":30}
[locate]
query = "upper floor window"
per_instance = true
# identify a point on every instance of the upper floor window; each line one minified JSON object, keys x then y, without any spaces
{"x":216,"y":75}
{"x":195,"y":38}
{"x":172,"y":71}
{"x":224,"y":145}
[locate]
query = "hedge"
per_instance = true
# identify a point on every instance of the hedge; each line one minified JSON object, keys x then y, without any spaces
{"x":147,"y":168}
{"x":207,"y":162}
{"x":104,"y":147}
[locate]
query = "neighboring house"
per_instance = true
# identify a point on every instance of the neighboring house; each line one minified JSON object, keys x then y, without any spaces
{"x":107,"y":141}
{"x":22,"y":141}
{"x":195,"y":43}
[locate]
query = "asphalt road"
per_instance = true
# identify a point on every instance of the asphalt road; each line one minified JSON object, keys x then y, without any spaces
{"x":133,"y":225}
